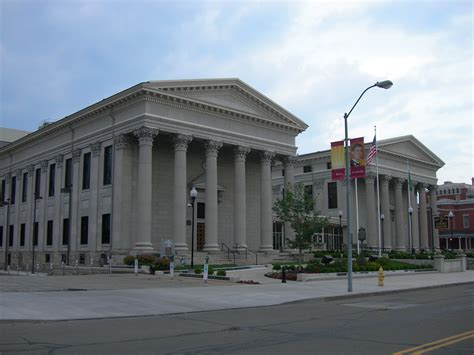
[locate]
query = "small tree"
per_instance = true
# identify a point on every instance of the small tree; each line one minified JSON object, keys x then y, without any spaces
{"x":296,"y":208}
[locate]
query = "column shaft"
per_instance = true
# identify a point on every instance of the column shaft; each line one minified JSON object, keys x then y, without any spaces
{"x":74,"y":239}
{"x":94,"y":236}
{"x":423,"y":218}
{"x":434,"y":212}
{"x":415,"y":219}
{"x":266,"y":237}
{"x":399,"y":217}
{"x":385,"y":197}
{"x":240,"y":199}
{"x":57,"y":237}
{"x":179,"y":192}
{"x":211,"y":209}
{"x":372,"y":238}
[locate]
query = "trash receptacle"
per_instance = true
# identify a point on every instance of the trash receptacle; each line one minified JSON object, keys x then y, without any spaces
{"x":152,"y":270}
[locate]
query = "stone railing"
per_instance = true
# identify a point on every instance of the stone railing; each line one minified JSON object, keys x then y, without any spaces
{"x":451,"y":265}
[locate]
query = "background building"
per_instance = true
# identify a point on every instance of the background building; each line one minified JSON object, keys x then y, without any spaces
{"x":459,"y":199}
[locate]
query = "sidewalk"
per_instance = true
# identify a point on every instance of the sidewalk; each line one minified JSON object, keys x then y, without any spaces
{"x":169,"y":299}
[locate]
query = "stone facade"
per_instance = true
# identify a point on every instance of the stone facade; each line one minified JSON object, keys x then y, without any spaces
{"x":155,"y":141}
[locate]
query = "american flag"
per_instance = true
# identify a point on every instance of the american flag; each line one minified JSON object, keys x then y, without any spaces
{"x":372,"y":151}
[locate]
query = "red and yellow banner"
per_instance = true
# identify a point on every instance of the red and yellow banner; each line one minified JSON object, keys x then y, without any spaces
{"x":357,"y":156}
{"x":337,"y":161}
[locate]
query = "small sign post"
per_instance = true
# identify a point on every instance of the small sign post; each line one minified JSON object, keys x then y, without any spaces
{"x":172,"y":266}
{"x":136,"y":265}
{"x":206,"y":269}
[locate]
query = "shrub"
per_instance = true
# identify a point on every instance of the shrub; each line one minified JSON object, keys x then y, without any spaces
{"x":197,"y":270}
{"x":313,"y":267}
{"x":162,"y":264}
{"x":221,"y":273}
{"x":210,"y":270}
{"x":147,"y":259}
{"x":276,"y":267}
{"x":129,"y":260}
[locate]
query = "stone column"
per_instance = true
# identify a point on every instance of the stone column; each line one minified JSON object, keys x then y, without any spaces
{"x":145,"y":137}
{"x":30,"y":197}
{"x":121,"y":236}
{"x":371,"y":228}
{"x":399,"y":217}
{"x":181,"y":142}
{"x":415,"y":225}
{"x":423,"y":218}
{"x":385,"y":202}
{"x":16,"y":217}
{"x":434,"y":212}
{"x":211,"y":209}
{"x":266,"y":219}
{"x":289,"y":180}
{"x":7,"y":216}
{"x":42,"y":215}
{"x":57,"y":236}
{"x":74,"y":238}
{"x":240,"y":198}
{"x":93,"y":196}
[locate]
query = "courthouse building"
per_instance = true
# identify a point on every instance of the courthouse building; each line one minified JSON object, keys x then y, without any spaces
{"x":396,"y":156}
{"x":114,"y":177}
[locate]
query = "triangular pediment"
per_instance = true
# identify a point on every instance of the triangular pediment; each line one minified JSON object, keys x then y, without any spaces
{"x":229,"y":94}
{"x":409,"y":147}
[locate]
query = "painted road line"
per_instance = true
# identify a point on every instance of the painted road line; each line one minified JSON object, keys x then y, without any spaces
{"x":437,"y":342}
{"x":444,"y":344}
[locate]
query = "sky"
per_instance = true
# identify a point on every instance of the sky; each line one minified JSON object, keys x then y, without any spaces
{"x":312,"y":57}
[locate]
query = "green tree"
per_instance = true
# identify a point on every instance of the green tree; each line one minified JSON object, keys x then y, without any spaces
{"x":297,"y":208}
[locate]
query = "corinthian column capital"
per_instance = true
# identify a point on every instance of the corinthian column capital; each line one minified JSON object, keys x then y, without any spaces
{"x":266,"y":156}
{"x":181,"y":141}
{"x":145,"y":135}
{"x":240,"y":153}
{"x":212,"y":148}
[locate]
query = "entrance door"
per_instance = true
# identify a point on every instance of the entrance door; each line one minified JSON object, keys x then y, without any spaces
{"x":200,"y":236}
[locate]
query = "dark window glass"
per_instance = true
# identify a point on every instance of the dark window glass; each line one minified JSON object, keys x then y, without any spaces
{"x":1,"y":236}
{"x":329,"y":166}
{"x":201,"y":210}
{"x":307,"y":169}
{"x":13,"y":191}
{"x":22,"y":234}
{"x":3,"y":190}
{"x":47,"y":258}
{"x":10,"y":235}
{"x":68,"y":174}
{"x":35,"y":233}
{"x":86,"y":172}
{"x":65,"y":230}
{"x":108,"y":165}
{"x":282,"y":172}
{"x":84,"y":230}
{"x":49,"y":233}
{"x":106,"y":228}
{"x":63,"y":258}
{"x":37,"y":182}
{"x":52,"y":179}
{"x":82,"y":259}
{"x":24,"y":190}
{"x":308,"y":191}
{"x":332,"y":195}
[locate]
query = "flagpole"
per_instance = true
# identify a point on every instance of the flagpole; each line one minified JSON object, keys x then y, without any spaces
{"x":410,"y":242}
{"x":357,"y":215}
{"x":378,"y":190}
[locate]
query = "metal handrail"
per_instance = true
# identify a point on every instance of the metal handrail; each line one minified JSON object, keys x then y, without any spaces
{"x":228,"y":249}
{"x":251,"y":251}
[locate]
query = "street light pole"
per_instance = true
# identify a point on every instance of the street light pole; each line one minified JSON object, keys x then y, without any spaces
{"x":7,"y":231}
{"x":410,"y":228}
{"x":340,"y":228}
{"x":386,"y":84}
{"x":193,"y":194}
{"x":36,"y":197}
{"x":451,"y":215}
{"x":382,"y":218}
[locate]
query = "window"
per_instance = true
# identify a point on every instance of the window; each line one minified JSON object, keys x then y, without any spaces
{"x":22,"y":234}
{"x":52,"y":179}
{"x":107,"y":165}
{"x":465,"y":221}
{"x":37,"y":182}
{"x":332,"y":195}
{"x":24,"y":190}
{"x":47,"y":258}
{"x":329,"y":166}
{"x":307,"y":169}
{"x":282,"y":172}
{"x":68,"y":174}
{"x":10,"y":235}
{"x":35,"y":233}
{"x":49,"y":233}
{"x":84,"y":230}
{"x":1,"y":236}
{"x":308,"y":191}
{"x":63,"y":258}
{"x":201,"y":210}
{"x":65,"y":231}
{"x":13,"y":191}
{"x":86,"y":172}
{"x":82,"y":259}
{"x":106,"y":228}
{"x":3,"y":190}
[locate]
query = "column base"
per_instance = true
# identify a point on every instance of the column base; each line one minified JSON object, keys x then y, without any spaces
{"x":143,"y":247}
{"x":241,"y":247}
{"x":266,"y":248}
{"x":211,"y":247}
{"x":401,"y":249}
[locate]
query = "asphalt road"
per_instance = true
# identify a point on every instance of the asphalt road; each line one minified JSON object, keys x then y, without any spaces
{"x":364,"y":325}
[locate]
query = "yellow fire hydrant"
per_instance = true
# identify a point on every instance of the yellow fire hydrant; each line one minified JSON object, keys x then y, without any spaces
{"x":381,"y":276}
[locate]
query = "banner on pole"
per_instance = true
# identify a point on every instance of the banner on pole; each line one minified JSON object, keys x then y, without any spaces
{"x":338,"y":169}
{"x":357,"y":158}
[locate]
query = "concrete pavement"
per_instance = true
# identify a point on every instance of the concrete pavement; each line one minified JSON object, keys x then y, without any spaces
{"x":181,"y":296}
